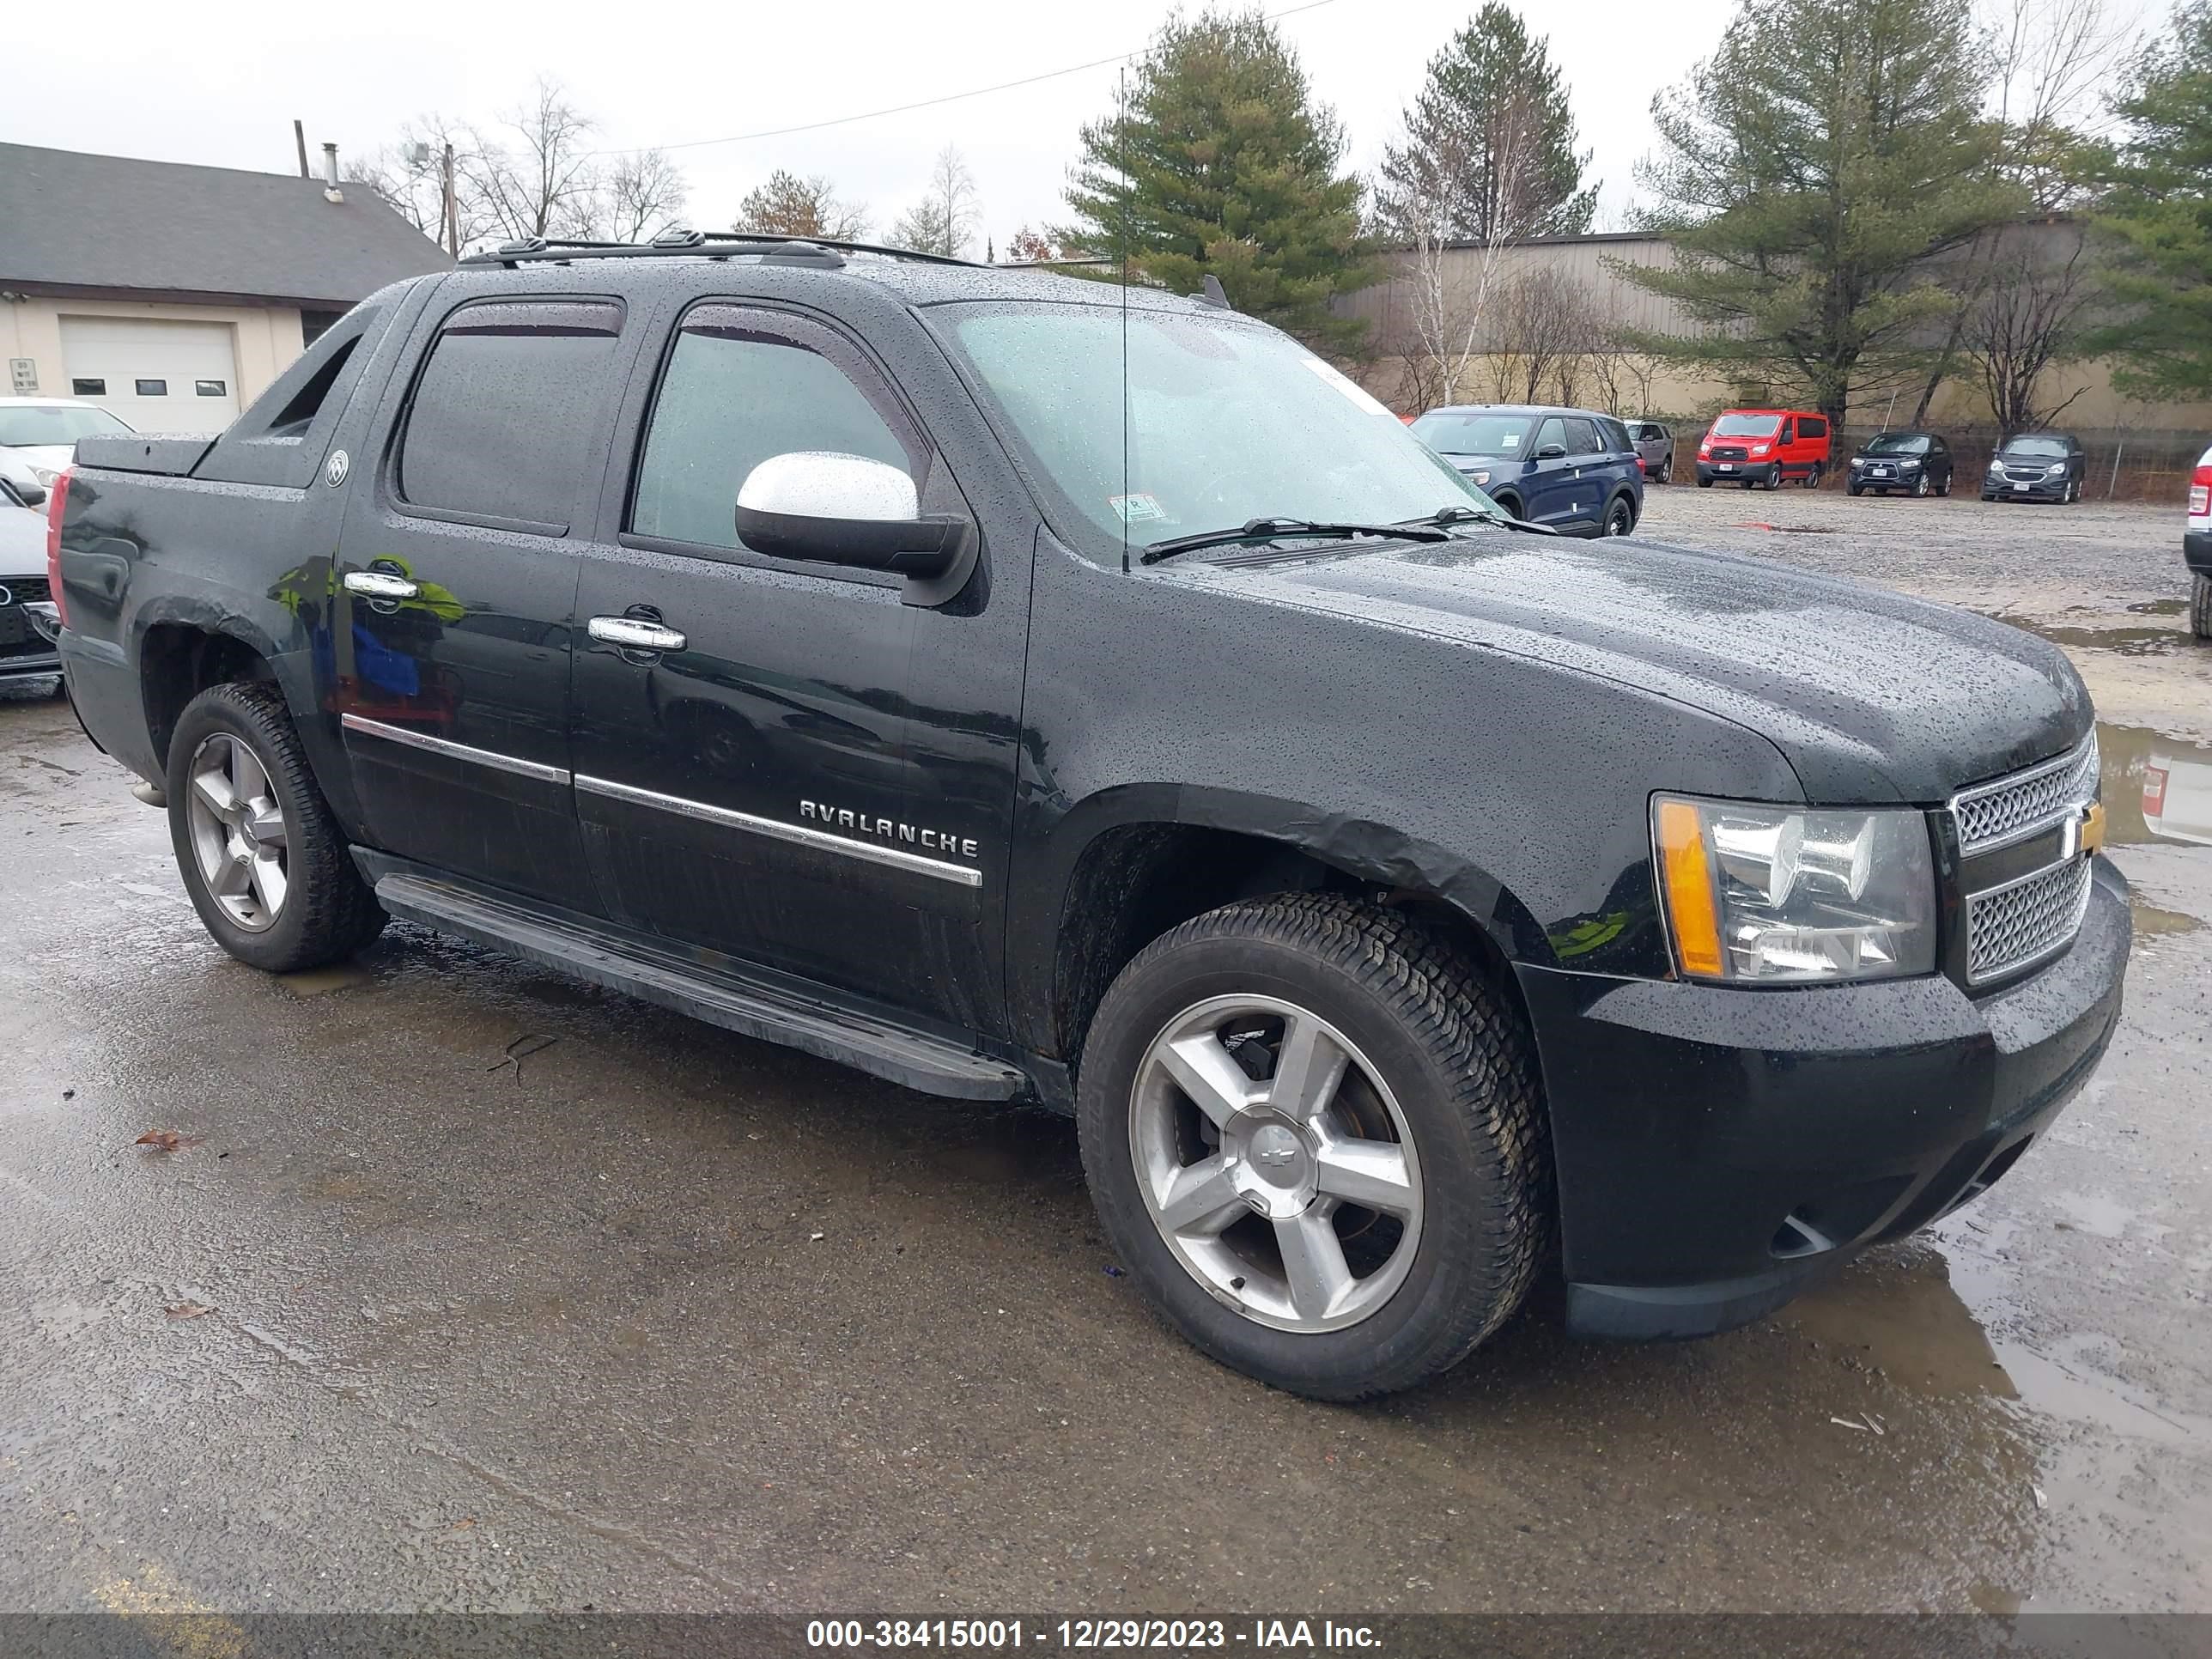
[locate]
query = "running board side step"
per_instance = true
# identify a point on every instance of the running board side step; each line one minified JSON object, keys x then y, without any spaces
{"x":749,"y":1008}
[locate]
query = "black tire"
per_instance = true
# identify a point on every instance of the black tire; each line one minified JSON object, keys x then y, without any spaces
{"x":1510,"y":505}
{"x":1773,"y":480}
{"x":1920,"y":487}
{"x":1667,"y":470}
{"x":1853,"y":488}
{"x":2200,"y":607}
{"x":1944,"y":489}
{"x":1619,"y":517}
{"x":328,"y":911}
{"x":1453,"y":1050}
{"x":1813,"y":478}
{"x":1704,"y":484}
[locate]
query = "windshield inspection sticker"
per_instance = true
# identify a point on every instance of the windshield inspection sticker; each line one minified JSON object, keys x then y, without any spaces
{"x":1136,"y":509}
{"x":1344,"y":382}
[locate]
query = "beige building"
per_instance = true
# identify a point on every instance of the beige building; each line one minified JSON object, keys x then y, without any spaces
{"x":172,"y":294}
{"x":1579,"y":372}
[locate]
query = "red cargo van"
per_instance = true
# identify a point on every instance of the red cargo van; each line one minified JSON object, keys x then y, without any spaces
{"x":1765,"y":447}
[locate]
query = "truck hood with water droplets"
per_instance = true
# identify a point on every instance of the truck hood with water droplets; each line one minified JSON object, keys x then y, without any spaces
{"x":1872,"y":696}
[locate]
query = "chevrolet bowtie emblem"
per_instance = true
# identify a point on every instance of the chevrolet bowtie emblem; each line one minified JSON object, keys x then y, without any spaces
{"x":2093,"y":828}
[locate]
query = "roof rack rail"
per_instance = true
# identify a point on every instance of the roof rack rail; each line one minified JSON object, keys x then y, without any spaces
{"x":710,"y":245}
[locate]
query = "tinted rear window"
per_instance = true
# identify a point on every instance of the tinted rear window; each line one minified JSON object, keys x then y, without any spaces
{"x":503,"y":424}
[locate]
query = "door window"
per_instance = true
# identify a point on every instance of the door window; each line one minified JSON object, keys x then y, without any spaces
{"x":502,"y":425}
{"x":1581,"y":436}
{"x":1811,"y":427}
{"x":1789,"y":434}
{"x":743,"y":385}
{"x":1552,"y":432}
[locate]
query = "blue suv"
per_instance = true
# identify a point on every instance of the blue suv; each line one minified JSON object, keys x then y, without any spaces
{"x":1568,"y":468}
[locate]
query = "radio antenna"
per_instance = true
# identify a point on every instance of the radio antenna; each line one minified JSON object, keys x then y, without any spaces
{"x":1122,"y":100}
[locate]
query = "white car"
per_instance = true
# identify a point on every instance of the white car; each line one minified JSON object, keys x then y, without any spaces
{"x":43,"y":431}
{"x":25,"y":653}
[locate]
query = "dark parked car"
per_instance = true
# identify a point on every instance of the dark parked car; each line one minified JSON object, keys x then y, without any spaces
{"x":1917,"y":463}
{"x":1569,"y":469}
{"x":2036,"y":466}
{"x":1655,"y":447}
{"x":1398,"y":897}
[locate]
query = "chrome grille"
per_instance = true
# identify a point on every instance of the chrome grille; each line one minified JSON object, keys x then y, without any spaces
{"x":1991,"y":815}
{"x":2012,"y":926}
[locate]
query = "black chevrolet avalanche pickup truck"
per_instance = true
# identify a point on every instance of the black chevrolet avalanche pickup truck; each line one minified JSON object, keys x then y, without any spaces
{"x":1032,"y":690}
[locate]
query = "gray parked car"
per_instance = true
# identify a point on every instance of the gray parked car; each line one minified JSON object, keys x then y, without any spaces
{"x":1655,"y":447}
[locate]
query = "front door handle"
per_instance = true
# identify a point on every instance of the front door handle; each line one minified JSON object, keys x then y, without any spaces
{"x":634,"y":634}
{"x":381,"y":585}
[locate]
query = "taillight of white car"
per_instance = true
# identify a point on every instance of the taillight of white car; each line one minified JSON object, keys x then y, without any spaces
{"x":2200,"y":494}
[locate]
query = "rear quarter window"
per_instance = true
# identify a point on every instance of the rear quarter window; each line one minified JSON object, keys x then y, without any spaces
{"x":506,"y":422}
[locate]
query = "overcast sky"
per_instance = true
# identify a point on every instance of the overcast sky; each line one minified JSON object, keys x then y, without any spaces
{"x":220,"y":85}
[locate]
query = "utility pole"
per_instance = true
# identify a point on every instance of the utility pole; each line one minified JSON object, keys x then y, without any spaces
{"x":300,"y":137}
{"x":453,"y":209}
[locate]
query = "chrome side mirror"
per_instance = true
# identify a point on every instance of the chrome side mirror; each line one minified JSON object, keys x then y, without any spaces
{"x":843,"y":510}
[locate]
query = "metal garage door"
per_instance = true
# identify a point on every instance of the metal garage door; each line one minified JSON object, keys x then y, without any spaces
{"x":159,"y":375}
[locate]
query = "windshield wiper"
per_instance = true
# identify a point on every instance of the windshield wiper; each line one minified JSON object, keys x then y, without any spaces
{"x":1475,"y":516}
{"x":1265,"y":530}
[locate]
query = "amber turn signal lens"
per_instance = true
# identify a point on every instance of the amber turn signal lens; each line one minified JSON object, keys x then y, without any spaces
{"x":1688,"y":876}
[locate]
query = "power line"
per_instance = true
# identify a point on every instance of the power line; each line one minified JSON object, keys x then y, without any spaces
{"x":927,"y":103}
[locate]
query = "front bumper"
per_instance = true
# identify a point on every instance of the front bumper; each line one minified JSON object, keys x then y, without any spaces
{"x":1718,"y":1150}
{"x":1867,"y":478}
{"x":2196,"y":550}
{"x":2038,"y":490}
{"x":1738,"y":471}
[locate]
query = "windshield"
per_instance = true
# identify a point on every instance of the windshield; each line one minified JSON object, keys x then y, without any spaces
{"x":1746,"y":426}
{"x":27,"y":426}
{"x":1229,"y":421}
{"x":2037,"y":447}
{"x":1898,"y":443}
{"x":1500,"y":435}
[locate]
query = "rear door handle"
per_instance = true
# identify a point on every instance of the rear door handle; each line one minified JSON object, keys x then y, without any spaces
{"x":380,"y":585}
{"x":633,"y":633}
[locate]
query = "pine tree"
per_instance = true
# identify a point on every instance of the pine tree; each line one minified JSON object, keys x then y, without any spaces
{"x":1224,"y":164}
{"x":2156,"y":215}
{"x":1489,"y":143}
{"x":788,"y":205}
{"x":1812,"y":168}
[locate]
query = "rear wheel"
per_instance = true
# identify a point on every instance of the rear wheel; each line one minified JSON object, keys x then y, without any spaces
{"x":1667,"y":470}
{"x":2200,"y":607}
{"x":1813,"y":478}
{"x":261,"y":857}
{"x":1621,"y":516}
{"x":1704,"y":484}
{"x":1312,"y":1135}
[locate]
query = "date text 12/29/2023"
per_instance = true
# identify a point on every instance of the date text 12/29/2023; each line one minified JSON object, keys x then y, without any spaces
{"x":1126,"y":1635}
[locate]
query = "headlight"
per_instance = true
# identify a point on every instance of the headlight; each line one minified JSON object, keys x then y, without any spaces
{"x":46,"y":475}
{"x":1908,"y":466}
{"x":1482,"y":478}
{"x":1995,"y":467}
{"x":1772,"y":895}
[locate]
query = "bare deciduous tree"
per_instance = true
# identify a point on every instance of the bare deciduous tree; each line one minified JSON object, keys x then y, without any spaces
{"x":2030,"y":319}
{"x":1453,"y":288}
{"x":788,"y":205}
{"x":643,"y":194}
{"x":549,"y":185}
{"x":1541,"y":329}
{"x":409,"y":176}
{"x":945,"y":219}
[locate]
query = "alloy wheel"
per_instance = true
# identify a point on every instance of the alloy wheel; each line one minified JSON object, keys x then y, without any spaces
{"x":1276,"y":1163}
{"x":239,"y":837}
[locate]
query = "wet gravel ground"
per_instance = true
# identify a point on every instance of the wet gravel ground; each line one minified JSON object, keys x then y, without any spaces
{"x":467,"y":1287}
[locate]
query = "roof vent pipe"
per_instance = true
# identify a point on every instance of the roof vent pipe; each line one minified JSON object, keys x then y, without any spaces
{"x":331,"y":191}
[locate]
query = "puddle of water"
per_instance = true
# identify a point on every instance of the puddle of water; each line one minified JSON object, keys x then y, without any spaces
{"x":2157,"y":788}
{"x":2122,"y":641}
{"x":2151,"y":922}
{"x":1787,"y":529}
{"x":2160,"y":607}
{"x":1896,"y":1311}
